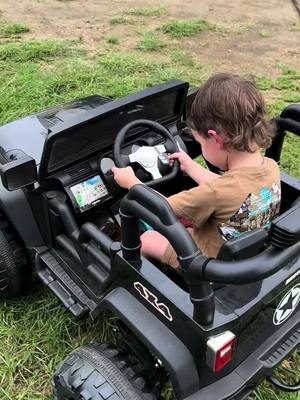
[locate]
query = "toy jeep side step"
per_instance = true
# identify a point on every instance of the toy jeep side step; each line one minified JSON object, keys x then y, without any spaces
{"x":62,"y":285}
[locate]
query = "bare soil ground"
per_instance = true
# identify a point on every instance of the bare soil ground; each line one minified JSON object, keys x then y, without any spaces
{"x":253,"y":36}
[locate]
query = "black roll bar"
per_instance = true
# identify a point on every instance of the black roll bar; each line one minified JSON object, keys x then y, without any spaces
{"x":152,"y":207}
{"x":143,"y":202}
{"x":196,"y":266}
{"x":250,"y":270}
{"x":289,"y":121}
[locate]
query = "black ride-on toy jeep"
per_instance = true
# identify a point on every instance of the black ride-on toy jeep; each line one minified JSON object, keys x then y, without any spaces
{"x":216,"y":330}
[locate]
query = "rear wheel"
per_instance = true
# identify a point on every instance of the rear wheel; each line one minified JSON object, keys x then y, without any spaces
{"x":14,"y":262}
{"x":99,"y":372}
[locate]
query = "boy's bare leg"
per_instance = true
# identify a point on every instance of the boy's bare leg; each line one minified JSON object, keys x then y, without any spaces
{"x":154,"y":245}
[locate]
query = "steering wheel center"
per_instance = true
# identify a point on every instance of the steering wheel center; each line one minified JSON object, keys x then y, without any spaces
{"x":147,"y":156}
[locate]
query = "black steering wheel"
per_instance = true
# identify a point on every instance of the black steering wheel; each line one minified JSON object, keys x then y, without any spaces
{"x":147,"y":156}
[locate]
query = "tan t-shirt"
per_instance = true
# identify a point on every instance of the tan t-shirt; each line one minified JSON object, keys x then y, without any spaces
{"x":240,"y":200}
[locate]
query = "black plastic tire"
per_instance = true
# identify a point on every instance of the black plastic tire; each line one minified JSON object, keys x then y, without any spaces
{"x":14,"y":262}
{"x":99,"y":372}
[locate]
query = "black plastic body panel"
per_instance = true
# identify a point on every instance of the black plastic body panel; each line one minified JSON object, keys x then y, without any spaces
{"x":179,"y":318}
{"x":241,"y":382}
{"x":246,"y":310}
{"x":29,"y":133}
{"x":158,"y":338}
{"x":27,"y":210}
{"x":243,"y":247}
{"x":18,"y":210}
{"x":82,"y":130}
{"x":18,"y":173}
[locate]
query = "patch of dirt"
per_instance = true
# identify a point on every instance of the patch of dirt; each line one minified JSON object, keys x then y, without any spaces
{"x":252,"y":36}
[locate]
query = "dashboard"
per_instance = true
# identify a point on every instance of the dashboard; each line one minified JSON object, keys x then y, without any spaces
{"x":77,"y":156}
{"x":90,"y":186}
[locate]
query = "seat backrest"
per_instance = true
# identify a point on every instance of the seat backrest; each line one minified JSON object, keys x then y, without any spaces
{"x":284,"y":232}
{"x":245,"y":246}
{"x":285,"y":229}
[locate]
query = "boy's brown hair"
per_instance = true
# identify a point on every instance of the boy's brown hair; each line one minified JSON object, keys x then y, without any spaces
{"x":233,"y":107}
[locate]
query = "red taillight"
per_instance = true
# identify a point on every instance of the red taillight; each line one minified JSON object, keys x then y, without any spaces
{"x":224,"y":356}
{"x":220,"y":350}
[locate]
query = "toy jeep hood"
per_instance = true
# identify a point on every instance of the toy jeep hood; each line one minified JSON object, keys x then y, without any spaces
{"x":29,"y":133}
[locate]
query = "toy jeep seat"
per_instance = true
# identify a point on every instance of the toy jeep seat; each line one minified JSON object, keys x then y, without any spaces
{"x":284,"y":232}
{"x":245,"y":246}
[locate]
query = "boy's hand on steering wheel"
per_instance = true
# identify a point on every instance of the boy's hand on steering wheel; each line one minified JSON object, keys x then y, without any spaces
{"x":185,"y":161}
{"x":125,"y":177}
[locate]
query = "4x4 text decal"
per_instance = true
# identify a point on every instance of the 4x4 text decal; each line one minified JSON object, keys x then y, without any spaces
{"x":153,"y":300}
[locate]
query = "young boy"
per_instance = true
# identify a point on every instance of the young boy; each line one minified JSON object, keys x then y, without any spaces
{"x":227,"y":119}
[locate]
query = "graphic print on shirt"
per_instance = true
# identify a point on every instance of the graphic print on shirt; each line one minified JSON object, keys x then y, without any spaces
{"x":255,"y":212}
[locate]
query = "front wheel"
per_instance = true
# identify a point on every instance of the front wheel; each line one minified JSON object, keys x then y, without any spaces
{"x":99,"y":372}
{"x":15,"y":272}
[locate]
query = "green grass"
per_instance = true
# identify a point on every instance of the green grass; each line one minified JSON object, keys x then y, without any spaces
{"x":27,"y":87}
{"x":32,"y":51}
{"x":182,"y":28}
{"x":295,"y":27}
{"x":12,"y":29}
{"x":118,"y":20}
{"x":29,"y":353}
{"x":128,"y":16}
{"x":182,"y":57}
{"x":113,"y":40}
{"x":147,"y":11}
{"x":151,"y":41}
{"x":264,"y":34}
{"x":286,"y":90}
{"x":35,"y":332}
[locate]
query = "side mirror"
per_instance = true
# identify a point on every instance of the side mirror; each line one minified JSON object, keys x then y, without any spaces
{"x":19,"y":171}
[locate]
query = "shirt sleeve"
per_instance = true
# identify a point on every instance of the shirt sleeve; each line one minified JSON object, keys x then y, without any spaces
{"x":196,"y":204}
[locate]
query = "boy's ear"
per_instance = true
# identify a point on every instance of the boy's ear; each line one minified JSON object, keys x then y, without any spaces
{"x":218,"y":139}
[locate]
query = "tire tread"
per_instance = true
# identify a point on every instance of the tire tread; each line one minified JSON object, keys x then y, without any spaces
{"x":99,"y":372}
{"x":14,"y":271}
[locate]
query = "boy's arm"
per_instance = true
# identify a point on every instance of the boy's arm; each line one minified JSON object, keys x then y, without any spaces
{"x":196,"y":204}
{"x":126,"y":178}
{"x":198,"y":173}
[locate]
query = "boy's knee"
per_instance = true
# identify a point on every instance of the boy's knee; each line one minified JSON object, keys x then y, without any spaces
{"x":153,"y":244}
{"x":147,"y":242}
